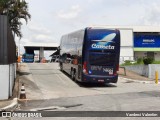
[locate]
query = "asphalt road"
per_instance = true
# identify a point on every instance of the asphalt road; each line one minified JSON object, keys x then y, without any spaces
{"x":48,"y":89}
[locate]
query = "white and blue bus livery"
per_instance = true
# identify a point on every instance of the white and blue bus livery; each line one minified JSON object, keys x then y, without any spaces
{"x":91,"y":55}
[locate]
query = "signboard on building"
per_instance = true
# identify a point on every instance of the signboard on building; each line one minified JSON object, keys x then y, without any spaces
{"x":146,"y":40}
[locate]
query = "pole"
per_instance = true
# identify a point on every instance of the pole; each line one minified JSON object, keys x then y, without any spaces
{"x":19,"y":55}
{"x":156,"y":77}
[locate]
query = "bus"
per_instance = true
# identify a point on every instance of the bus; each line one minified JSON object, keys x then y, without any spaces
{"x":91,"y":55}
{"x":28,"y":58}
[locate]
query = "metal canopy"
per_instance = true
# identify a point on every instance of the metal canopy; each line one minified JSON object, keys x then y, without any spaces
{"x":45,"y":46}
{"x":38,"y":48}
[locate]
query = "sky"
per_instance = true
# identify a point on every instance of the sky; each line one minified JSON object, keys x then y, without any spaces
{"x":53,"y":18}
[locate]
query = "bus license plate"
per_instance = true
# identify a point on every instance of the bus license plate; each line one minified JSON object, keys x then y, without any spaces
{"x":100,"y":80}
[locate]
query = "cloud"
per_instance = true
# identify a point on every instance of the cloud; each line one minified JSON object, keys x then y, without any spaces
{"x":20,"y":44}
{"x":94,"y":1}
{"x":36,"y":38}
{"x":42,"y":38}
{"x":36,"y":32}
{"x":71,"y":13}
{"x":35,"y":27}
{"x":151,"y":16}
{"x":50,"y":23}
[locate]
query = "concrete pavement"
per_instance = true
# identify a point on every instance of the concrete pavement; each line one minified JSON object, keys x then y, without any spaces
{"x":8,"y":104}
{"x":46,"y":81}
{"x":47,"y":88}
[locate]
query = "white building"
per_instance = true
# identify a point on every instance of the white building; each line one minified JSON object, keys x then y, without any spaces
{"x":138,"y":41}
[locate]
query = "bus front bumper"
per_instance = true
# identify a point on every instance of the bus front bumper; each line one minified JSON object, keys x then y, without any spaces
{"x":99,"y":79}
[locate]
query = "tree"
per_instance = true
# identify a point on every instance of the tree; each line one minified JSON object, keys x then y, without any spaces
{"x":15,"y":10}
{"x":3,"y":6}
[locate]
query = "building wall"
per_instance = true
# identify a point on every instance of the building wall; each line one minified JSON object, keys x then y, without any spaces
{"x":152,"y":69}
{"x":145,"y":70}
{"x":144,"y":54}
{"x":139,"y":54}
{"x":139,"y":69}
{"x":7,"y":78}
{"x":4,"y":82}
{"x":7,"y":59}
{"x":126,"y":51}
{"x":157,"y":56}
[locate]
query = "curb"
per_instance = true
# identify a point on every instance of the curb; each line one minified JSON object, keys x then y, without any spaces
{"x":139,"y":81}
{"x":48,"y":108}
{"x":13,"y":105}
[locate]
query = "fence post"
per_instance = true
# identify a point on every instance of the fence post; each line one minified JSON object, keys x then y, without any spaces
{"x":156,"y":77}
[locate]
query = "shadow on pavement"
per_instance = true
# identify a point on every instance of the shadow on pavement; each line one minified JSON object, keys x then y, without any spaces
{"x":23,"y":73}
{"x":89,"y":85}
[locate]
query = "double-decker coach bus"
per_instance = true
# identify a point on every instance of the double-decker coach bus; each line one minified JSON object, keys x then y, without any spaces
{"x":91,"y":55}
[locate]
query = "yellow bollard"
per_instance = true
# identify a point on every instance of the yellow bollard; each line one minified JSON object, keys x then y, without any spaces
{"x":156,"y":77}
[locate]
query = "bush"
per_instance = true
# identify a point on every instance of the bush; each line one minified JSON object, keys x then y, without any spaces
{"x":139,"y":60}
{"x":147,"y":61}
{"x":156,"y":62}
{"x":126,"y":62}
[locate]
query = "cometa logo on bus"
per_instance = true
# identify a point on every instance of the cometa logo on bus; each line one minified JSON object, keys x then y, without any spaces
{"x":102,"y":46}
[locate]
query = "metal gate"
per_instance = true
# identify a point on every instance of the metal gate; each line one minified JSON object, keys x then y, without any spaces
{"x":7,"y":43}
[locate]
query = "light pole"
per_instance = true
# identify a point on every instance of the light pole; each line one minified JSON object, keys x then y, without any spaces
{"x":19,"y":54}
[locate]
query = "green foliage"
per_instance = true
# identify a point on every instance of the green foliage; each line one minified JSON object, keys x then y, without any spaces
{"x":156,"y":62}
{"x":3,"y":4}
{"x":15,"y":10}
{"x":126,"y":63}
{"x":147,"y":61}
{"x":139,"y":61}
